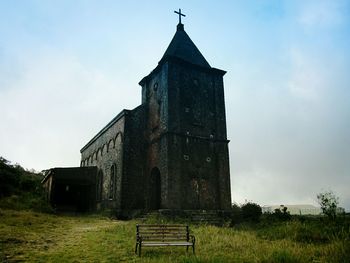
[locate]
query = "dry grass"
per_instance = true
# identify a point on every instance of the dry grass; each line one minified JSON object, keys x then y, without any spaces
{"x":35,"y":237}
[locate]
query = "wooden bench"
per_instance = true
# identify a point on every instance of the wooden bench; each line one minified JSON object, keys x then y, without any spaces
{"x":163,"y":235}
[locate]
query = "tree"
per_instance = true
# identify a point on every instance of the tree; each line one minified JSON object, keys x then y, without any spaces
{"x":282,"y":213}
{"x":329,"y":203}
{"x":251,"y":212}
{"x":236,"y":215}
{"x":9,"y":178}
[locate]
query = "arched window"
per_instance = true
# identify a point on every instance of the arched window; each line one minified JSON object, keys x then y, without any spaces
{"x":99,"y":185}
{"x":112,"y":182}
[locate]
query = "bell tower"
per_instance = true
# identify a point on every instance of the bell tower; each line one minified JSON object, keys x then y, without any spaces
{"x":186,"y":136}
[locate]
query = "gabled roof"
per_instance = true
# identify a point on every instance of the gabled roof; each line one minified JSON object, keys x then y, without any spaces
{"x":182,"y":47}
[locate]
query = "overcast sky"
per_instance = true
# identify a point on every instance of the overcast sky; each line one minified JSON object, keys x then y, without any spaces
{"x":68,"y":67}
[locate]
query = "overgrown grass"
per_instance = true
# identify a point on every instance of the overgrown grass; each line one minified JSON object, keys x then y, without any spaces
{"x":36,"y":237}
{"x":26,"y":201}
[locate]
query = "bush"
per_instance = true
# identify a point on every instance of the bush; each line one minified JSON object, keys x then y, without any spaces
{"x":21,"y":189}
{"x":236,"y":216}
{"x":9,"y":178}
{"x":251,"y":212}
{"x":329,"y":203}
{"x":281,"y":214}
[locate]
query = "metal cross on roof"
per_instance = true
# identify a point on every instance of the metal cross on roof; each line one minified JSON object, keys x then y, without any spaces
{"x":180,"y":14}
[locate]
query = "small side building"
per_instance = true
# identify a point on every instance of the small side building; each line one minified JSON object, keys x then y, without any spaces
{"x":71,"y":189}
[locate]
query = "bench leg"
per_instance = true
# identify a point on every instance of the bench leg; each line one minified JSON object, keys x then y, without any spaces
{"x":193,"y":249}
{"x":186,"y":248}
{"x":136,"y":248}
{"x":140,"y":250}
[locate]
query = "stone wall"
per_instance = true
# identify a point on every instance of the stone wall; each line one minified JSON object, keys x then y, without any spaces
{"x":105,"y":151}
{"x":186,"y":135}
{"x":133,"y":188}
{"x":155,"y":98}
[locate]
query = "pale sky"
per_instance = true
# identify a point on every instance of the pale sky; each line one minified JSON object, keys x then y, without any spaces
{"x":68,"y":67}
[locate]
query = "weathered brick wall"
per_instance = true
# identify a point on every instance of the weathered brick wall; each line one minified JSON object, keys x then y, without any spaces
{"x":223,"y":171}
{"x":196,"y":101}
{"x":133,"y":194}
{"x":155,"y":100}
{"x":157,"y":157}
{"x":104,"y":151}
{"x":198,"y":149}
{"x":186,"y":134}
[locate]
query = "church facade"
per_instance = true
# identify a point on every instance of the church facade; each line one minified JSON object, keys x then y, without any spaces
{"x":170,"y":152}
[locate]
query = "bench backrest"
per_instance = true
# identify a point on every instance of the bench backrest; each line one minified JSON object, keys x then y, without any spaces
{"x":163,"y":233}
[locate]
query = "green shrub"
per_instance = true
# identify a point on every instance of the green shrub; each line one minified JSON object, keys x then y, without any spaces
{"x":329,"y":203}
{"x":9,"y":178}
{"x":21,"y":189}
{"x":307,"y":230}
{"x":251,"y":212}
{"x":279,"y":214}
{"x":26,"y":201}
{"x":236,"y":215}
{"x":310,"y":233}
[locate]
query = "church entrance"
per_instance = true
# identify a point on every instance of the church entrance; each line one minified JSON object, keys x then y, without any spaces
{"x":155,"y":189}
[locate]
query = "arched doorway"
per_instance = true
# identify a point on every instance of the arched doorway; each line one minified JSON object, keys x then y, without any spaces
{"x":155,"y":189}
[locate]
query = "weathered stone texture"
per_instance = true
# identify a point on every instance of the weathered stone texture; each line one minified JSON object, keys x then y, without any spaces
{"x":171,"y":151}
{"x":133,"y":158}
{"x":104,"y":151}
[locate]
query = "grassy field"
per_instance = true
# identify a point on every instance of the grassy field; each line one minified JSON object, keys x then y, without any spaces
{"x":37,"y":237}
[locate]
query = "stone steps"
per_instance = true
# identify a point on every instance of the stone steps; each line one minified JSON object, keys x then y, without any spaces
{"x":210,"y":217}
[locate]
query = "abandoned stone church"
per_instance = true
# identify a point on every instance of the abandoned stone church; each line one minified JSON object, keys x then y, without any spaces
{"x":170,"y":152}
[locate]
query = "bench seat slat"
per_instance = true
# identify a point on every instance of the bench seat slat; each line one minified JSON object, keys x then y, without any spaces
{"x":162,"y":230}
{"x":163,"y":234}
{"x":164,"y":237}
{"x":162,"y":226}
{"x":164,"y":240}
{"x":150,"y":244}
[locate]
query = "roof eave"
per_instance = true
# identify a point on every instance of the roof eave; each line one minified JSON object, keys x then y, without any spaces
{"x":165,"y":59}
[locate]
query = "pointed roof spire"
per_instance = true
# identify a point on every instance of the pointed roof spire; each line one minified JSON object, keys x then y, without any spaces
{"x":182,"y":47}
